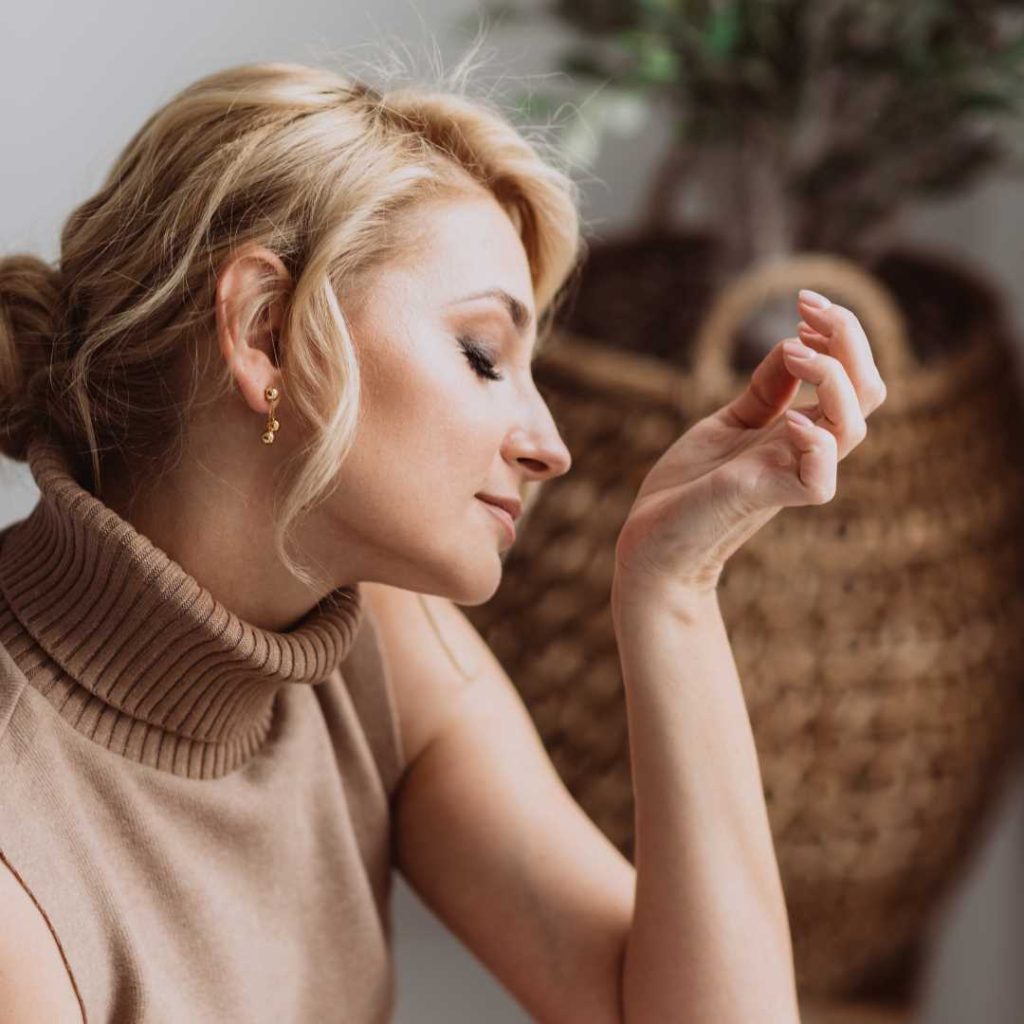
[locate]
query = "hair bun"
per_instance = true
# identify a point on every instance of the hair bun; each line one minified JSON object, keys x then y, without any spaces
{"x":30,"y":304}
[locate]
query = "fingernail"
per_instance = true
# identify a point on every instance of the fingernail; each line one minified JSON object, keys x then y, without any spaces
{"x":798,"y":350}
{"x":813,"y":299}
{"x":798,"y":417}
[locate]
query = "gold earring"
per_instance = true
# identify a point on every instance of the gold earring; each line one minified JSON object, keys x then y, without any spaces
{"x":268,"y":435}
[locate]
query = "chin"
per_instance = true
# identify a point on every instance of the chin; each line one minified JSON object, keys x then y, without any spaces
{"x":479,"y":589}
{"x":472,"y":583}
{"x":463,"y":576}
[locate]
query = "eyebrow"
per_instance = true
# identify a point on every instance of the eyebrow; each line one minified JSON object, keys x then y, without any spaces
{"x":521,"y":316}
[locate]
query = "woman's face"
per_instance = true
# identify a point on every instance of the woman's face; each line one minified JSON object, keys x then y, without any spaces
{"x":439,"y":426}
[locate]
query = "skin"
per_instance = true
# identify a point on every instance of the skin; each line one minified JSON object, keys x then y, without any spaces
{"x":706,"y":875}
{"x":432,"y":433}
{"x":700,"y":931}
{"x":735,"y":470}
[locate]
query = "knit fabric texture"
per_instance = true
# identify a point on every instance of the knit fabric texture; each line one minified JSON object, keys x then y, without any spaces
{"x":200,"y":808}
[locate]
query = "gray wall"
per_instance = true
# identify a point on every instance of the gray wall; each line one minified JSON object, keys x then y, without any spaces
{"x":77,"y":80}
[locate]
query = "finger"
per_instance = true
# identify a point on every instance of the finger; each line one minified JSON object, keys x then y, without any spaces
{"x":841,"y":412}
{"x":817,"y":455}
{"x":771,"y":389}
{"x":812,"y":338}
{"x":812,"y":412}
{"x":847,"y":342}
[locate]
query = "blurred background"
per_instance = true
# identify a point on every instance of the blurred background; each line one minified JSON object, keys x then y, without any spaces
{"x":718,"y":146}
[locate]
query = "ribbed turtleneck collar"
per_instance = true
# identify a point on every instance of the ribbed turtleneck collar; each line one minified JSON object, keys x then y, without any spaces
{"x":158,"y":669}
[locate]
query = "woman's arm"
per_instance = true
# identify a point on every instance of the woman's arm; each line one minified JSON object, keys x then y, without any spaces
{"x":709,"y":941}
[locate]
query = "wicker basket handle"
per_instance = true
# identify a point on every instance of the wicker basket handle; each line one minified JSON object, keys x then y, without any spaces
{"x":713,"y":380}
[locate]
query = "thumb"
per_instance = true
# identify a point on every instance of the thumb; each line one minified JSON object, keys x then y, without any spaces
{"x":769,"y":392}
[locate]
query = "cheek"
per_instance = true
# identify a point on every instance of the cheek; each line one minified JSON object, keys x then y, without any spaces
{"x":434,"y":421}
{"x":406,"y":493}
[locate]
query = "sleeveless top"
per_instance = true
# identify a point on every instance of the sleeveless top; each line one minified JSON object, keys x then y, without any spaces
{"x":200,"y":808}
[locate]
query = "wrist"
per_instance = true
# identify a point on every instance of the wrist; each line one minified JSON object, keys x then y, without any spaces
{"x":685,"y":601}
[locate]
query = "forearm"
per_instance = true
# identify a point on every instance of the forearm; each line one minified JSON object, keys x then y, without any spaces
{"x":710,"y":936}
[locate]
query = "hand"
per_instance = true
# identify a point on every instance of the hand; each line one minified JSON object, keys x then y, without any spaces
{"x":732,"y":471}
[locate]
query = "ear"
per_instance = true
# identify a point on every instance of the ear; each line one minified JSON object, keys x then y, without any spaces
{"x":248,"y":272}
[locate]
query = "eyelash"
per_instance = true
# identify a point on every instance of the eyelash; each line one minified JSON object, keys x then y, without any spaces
{"x":482,"y":363}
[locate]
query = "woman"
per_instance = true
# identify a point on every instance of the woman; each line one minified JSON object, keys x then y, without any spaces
{"x":273,"y":398}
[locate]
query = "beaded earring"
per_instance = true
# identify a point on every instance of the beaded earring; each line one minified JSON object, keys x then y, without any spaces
{"x":270,"y":394}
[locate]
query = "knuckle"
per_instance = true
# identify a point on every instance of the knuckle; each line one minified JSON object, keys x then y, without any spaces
{"x":823,"y":492}
{"x":858,"y":431}
{"x":848,"y":319}
{"x":834,"y":366}
{"x":831,"y":367}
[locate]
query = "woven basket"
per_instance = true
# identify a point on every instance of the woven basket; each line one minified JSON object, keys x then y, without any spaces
{"x":879,"y":637}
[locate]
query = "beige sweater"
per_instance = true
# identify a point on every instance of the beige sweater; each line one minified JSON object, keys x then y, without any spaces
{"x":200,"y":808}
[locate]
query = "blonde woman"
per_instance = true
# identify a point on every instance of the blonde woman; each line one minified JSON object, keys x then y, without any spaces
{"x":277,"y":399}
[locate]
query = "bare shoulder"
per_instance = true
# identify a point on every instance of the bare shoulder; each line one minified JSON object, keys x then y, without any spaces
{"x":34,"y":982}
{"x":433,"y":654}
{"x":487,"y":833}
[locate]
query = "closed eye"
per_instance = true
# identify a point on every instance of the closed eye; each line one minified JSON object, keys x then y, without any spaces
{"x":479,"y":359}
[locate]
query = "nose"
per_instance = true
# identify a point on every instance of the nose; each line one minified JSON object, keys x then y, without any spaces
{"x":539,"y":448}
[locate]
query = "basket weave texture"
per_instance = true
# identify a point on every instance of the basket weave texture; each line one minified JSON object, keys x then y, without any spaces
{"x":879,"y":637}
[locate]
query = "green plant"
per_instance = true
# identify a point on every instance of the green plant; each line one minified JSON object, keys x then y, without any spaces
{"x":803,"y":124}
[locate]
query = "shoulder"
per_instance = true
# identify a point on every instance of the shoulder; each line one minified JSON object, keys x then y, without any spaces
{"x":432,"y":652}
{"x":36,"y":984}
{"x":363,"y":688}
{"x":12,"y":686}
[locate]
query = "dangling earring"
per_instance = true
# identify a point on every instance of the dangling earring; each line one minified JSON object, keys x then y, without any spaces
{"x":268,"y":435}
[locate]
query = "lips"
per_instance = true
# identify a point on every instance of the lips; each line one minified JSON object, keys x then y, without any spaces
{"x":511,"y":503}
{"x":501,"y":514}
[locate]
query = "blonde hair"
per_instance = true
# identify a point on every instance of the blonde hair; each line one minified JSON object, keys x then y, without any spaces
{"x":317,"y":167}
